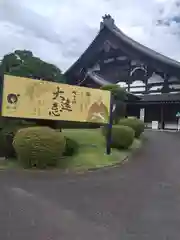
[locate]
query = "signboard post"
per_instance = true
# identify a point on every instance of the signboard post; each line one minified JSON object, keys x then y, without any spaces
{"x":109,"y":126}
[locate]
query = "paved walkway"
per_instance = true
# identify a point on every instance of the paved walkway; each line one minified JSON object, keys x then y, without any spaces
{"x":139,"y":200}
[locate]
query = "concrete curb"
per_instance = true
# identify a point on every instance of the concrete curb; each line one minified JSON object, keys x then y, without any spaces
{"x":161,"y":130}
{"x":115,"y":165}
{"x":107,"y":167}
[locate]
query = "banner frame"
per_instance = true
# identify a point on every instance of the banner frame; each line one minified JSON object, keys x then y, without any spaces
{"x":47,"y":119}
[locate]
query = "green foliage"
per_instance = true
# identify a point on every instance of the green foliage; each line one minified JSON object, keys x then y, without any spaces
{"x":119,"y":97}
{"x":6,"y":144}
{"x":7,"y":133}
{"x":120,"y":111}
{"x":9,"y":127}
{"x":71,"y":147}
{"x":39,"y":147}
{"x":117,"y":92}
{"x":122,"y":137}
{"x":136,"y":124}
{"x":24,"y":64}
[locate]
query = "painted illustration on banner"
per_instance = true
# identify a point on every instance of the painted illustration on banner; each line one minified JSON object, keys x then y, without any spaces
{"x":98,"y":111}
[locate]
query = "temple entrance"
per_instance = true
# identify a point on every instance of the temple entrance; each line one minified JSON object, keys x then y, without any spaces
{"x":152,"y":114}
{"x":164,"y":114}
{"x":170,"y":119}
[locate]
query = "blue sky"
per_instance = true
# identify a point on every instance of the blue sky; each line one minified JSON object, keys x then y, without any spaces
{"x":59,"y":31}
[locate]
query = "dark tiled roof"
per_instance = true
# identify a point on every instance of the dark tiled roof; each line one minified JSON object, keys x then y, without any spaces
{"x":143,"y":49}
{"x":109,"y":25}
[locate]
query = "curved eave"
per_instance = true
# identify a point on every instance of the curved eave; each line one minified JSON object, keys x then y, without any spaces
{"x":102,"y":82}
{"x":97,"y":79}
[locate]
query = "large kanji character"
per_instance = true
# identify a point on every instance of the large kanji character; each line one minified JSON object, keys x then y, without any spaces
{"x":57,"y":93}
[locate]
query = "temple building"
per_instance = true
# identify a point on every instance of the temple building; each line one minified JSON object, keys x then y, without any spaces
{"x":151,"y":79}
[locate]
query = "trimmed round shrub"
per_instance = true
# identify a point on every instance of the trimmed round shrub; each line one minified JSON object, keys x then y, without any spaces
{"x":122,"y":137}
{"x":136,"y":124}
{"x":71,"y":147}
{"x":39,"y":147}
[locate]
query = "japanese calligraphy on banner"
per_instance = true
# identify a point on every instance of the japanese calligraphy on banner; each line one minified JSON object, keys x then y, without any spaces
{"x":37,"y":99}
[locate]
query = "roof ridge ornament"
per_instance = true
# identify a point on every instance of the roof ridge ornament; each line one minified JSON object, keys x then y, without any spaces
{"x":107,"y":21}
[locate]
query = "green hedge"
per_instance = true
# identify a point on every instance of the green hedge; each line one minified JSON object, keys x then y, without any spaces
{"x":39,"y":147}
{"x":122,"y":137}
{"x":136,"y":124}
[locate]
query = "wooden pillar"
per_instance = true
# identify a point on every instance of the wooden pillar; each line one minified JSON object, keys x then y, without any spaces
{"x":165,"y":88}
{"x":146,"y":84}
{"x":128,"y":87}
{"x":142,"y":112}
{"x":162,"y":117}
{"x":129,"y":79}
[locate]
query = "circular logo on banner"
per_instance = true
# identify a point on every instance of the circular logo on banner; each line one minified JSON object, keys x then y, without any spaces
{"x":12,"y":98}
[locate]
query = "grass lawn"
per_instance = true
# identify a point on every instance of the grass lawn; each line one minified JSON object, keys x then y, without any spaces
{"x":91,"y":155}
{"x":8,"y":164}
{"x":92,"y":152}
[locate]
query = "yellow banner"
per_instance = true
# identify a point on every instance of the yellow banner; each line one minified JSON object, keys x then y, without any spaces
{"x":38,"y":99}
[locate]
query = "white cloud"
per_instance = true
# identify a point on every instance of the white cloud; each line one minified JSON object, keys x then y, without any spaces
{"x":59,"y":31}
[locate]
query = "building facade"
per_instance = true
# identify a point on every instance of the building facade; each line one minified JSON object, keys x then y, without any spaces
{"x":153,"y":78}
